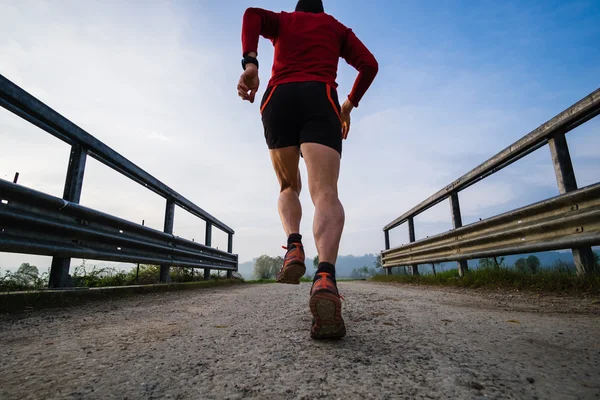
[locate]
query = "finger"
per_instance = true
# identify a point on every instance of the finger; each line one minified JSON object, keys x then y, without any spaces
{"x":243,"y":93}
{"x":252,"y":95}
{"x":242,"y":85}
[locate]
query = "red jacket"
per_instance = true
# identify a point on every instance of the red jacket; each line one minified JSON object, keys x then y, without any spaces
{"x":308,"y":47}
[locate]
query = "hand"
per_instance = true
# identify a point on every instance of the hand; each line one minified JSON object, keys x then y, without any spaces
{"x":347,"y":108}
{"x":248,"y":84}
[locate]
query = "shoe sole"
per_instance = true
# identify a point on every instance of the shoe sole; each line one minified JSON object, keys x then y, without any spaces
{"x":292,"y":273}
{"x":328,"y":323}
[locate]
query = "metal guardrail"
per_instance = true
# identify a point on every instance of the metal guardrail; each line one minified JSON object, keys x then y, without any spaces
{"x":21,"y":103}
{"x":45,"y":225}
{"x":566,"y":221}
{"x":490,"y":237}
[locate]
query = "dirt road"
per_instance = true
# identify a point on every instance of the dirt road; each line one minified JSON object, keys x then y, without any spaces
{"x":252,"y":342}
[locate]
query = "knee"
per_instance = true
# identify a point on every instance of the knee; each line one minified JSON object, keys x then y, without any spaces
{"x":325,"y":196}
{"x":292,"y":187}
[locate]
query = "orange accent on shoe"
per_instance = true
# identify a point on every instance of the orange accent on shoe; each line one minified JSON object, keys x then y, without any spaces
{"x":324,"y":284}
{"x":326,"y":308}
{"x":293,"y":265}
{"x":295,"y":254}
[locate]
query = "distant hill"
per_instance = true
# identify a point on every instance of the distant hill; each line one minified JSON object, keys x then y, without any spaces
{"x":346,"y":264}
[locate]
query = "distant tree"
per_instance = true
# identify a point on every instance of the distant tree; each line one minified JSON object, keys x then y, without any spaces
{"x":363,"y":272}
{"x":27,"y":274}
{"x":377,"y":262}
{"x":533,"y":264}
{"x":521,"y":265}
{"x":266,"y":267}
{"x":316,"y":262}
{"x":276,"y":264}
{"x":491,"y":262}
{"x":262,"y":267}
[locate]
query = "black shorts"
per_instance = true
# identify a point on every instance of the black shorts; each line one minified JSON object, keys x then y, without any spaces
{"x":296,"y":113}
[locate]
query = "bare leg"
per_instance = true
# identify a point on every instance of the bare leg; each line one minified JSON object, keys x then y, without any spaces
{"x":285,"y":163}
{"x":323,"y":165}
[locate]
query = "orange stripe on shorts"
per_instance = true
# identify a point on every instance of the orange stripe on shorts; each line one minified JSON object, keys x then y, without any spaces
{"x":333,"y":103}
{"x":268,"y":99}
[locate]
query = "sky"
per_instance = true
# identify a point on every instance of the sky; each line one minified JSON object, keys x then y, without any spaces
{"x":156,"y":81}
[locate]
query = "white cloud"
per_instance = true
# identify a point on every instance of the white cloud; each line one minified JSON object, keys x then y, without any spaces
{"x":159,"y":136}
{"x":128,"y":74}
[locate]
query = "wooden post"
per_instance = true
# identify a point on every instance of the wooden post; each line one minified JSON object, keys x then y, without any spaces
{"x":565,"y":178}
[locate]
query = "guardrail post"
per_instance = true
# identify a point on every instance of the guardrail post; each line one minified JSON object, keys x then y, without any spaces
{"x":386,"y":233}
{"x":169,"y":222}
{"x":59,"y":269}
{"x":411,"y":238}
{"x":208,"y":242}
{"x":565,"y":177}
{"x":463,"y":266}
{"x":230,"y":251}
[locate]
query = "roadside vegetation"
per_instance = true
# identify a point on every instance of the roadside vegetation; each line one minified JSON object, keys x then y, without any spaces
{"x":28,"y":277}
{"x":525,"y":274}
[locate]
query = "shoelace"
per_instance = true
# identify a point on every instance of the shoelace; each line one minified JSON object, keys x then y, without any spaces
{"x":341,"y":296}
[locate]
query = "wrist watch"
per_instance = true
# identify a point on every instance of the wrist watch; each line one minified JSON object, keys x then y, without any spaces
{"x":249,"y":60}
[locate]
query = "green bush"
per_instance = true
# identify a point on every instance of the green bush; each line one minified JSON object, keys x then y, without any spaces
{"x":27,"y":277}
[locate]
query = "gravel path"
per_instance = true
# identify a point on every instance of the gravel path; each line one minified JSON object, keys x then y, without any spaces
{"x":252,"y":342}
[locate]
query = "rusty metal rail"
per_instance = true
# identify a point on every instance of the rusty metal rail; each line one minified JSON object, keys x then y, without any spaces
{"x":491,"y":237}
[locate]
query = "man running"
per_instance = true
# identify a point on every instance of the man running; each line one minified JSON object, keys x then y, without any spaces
{"x":301,"y":116}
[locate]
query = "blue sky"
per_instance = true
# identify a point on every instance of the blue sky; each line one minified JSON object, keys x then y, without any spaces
{"x":458,"y":82}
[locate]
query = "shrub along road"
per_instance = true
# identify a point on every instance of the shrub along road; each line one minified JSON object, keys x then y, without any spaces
{"x":252,"y":341}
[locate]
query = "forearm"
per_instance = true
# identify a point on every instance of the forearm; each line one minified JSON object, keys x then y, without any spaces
{"x":357,"y":55}
{"x":365,"y":78}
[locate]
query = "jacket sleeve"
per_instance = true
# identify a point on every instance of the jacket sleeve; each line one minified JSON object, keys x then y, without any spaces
{"x":258,"y":22}
{"x":358,"y":56}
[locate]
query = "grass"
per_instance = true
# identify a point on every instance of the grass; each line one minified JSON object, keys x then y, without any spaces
{"x":555,"y":280}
